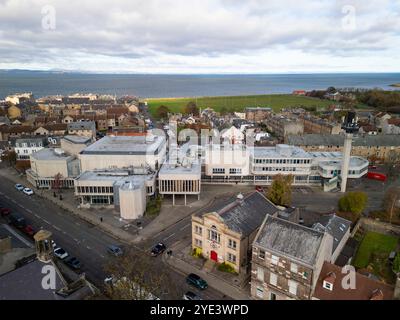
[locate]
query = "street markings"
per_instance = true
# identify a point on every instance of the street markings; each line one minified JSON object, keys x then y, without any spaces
{"x":171,"y":235}
{"x":184,"y":227}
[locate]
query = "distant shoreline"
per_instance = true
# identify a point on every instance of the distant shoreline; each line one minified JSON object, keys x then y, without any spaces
{"x":396,"y":85}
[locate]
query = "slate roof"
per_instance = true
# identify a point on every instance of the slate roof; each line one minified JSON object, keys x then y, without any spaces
{"x":336,"y":226}
{"x":289,"y":239}
{"x":244,"y":215}
{"x":82,"y":125}
{"x":382,"y":140}
{"x":366,"y":288}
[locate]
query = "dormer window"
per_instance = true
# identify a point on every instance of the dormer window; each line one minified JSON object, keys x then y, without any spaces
{"x":329,"y":281}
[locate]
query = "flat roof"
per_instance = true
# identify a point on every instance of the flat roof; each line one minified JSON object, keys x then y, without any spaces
{"x":171,"y":168}
{"x":118,"y":175}
{"x":279,"y":151}
{"x":126,"y":145}
{"x":51,"y":154}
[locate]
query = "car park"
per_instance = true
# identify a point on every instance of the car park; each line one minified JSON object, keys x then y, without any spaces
{"x":19,"y":187}
{"x":73,"y":263}
{"x":60,"y":253}
{"x":115,"y":250}
{"x":158,"y":249}
{"x":28,"y":191}
{"x":196,"y":281}
{"x":191,"y":296}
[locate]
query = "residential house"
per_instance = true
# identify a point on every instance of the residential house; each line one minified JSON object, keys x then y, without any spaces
{"x":330,"y":286}
{"x":287,"y":259}
{"x":82,"y":128}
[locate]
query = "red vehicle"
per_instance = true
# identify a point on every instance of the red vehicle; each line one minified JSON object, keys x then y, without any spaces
{"x":377,"y":176}
{"x":28,"y":230}
{"x":5,"y":211}
{"x":259,"y":189}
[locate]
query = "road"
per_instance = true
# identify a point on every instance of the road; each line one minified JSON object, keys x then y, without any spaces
{"x":84,"y":240}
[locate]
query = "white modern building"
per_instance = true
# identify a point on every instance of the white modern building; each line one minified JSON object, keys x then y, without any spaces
{"x":124,"y":190}
{"x":53,"y":168}
{"x":259,"y":165}
{"x":120,"y":152}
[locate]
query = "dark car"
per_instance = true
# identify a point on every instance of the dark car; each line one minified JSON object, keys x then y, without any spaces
{"x":115,"y":250}
{"x":17,"y":221}
{"x":195,"y":280}
{"x":28,"y":230}
{"x":158,"y":249}
{"x":191,"y":296}
{"x":5,"y":211}
{"x":73,"y":263}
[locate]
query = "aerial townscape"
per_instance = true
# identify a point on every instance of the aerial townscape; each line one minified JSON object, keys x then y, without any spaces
{"x":138,"y":164}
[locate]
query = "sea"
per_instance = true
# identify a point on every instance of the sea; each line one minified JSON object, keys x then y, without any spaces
{"x":160,"y":86}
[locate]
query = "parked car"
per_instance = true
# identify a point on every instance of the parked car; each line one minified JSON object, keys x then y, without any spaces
{"x":5,"y":211}
{"x":28,"y":230}
{"x":60,"y":253}
{"x":191,"y":296}
{"x":158,"y":249}
{"x":19,"y":187}
{"x":28,"y":191}
{"x":17,"y":221}
{"x":73,"y":263}
{"x":196,"y":281}
{"x":260,"y":189}
{"x":115,"y":250}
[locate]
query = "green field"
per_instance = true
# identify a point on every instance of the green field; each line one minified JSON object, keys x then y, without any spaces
{"x":374,"y":243}
{"x":238,"y":103}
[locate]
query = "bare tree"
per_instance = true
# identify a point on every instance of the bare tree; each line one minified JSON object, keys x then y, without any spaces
{"x":136,"y":276}
{"x":391,"y":199}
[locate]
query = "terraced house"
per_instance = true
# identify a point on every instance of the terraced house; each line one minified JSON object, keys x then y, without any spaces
{"x":287,"y":259}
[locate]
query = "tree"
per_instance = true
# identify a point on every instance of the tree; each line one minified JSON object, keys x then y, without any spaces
{"x":280,"y":191}
{"x":11,"y":157}
{"x":191,"y":108}
{"x":137,"y":277}
{"x":390,"y":200}
{"x":57,"y":183}
{"x":162,"y":112}
{"x":354,"y":202}
{"x":392,"y":164}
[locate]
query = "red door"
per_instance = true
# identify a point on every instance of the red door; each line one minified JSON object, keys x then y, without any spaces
{"x":214,"y":256}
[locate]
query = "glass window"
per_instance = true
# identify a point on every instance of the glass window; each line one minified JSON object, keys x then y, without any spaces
{"x":260,"y":273}
{"x":261,"y":254}
{"x":292,"y":287}
{"x":213,"y":236}
{"x":231,"y":244}
{"x":260,"y":292}
{"x":293,"y":268}
{"x":231,"y":258}
{"x":273,"y":279}
{"x":274,"y":260}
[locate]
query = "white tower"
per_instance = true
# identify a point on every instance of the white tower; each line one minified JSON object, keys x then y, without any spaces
{"x":350,"y":126}
{"x":346,"y":160}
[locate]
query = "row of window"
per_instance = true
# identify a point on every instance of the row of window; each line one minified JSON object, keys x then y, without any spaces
{"x":287,"y":169}
{"x":231,"y":170}
{"x":179,"y":185}
{"x":93,"y":189}
{"x":284,"y":161}
{"x":215,"y":236}
{"x":273,"y":281}
{"x":275,"y":261}
{"x":31,"y":145}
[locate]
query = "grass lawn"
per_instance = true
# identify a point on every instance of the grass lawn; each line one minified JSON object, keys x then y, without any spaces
{"x":374,"y":245}
{"x":239,"y":103}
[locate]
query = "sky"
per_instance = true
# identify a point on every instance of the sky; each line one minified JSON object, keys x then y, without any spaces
{"x":201,"y":36}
